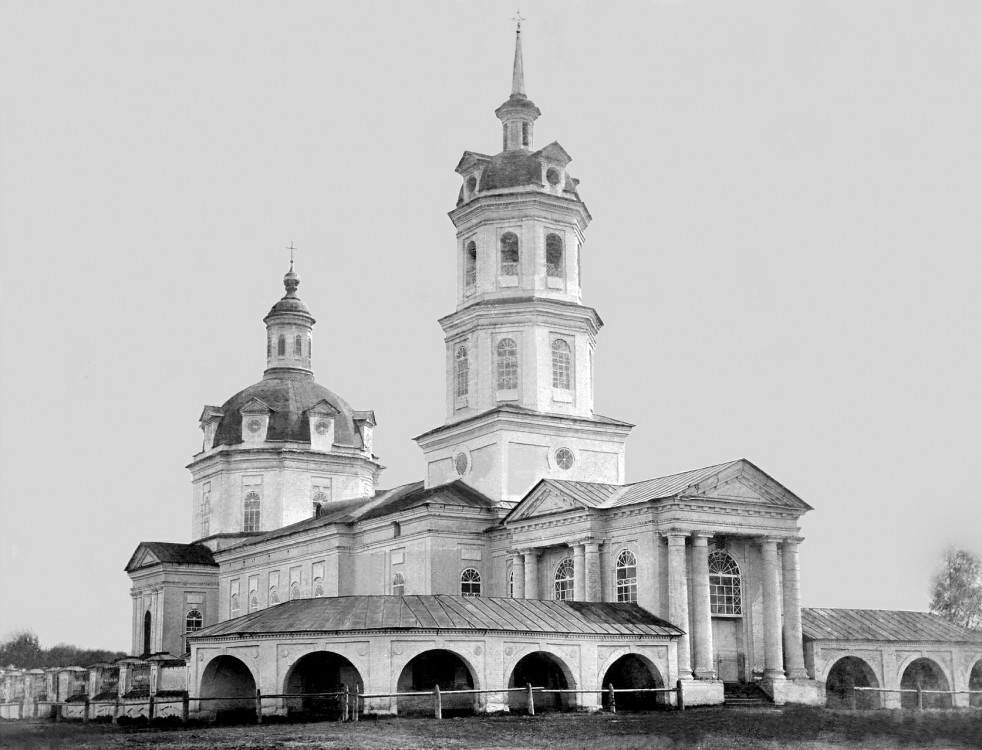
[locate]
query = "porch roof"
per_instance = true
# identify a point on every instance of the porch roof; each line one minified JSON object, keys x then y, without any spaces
{"x":881,"y":625}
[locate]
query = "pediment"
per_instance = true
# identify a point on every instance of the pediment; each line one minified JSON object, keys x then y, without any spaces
{"x":324,"y":408}
{"x":544,"y":501}
{"x":555,"y":152}
{"x":143,"y":558}
{"x":469,"y":160}
{"x":255,"y":406}
{"x":209,"y":413}
{"x":745,"y":483}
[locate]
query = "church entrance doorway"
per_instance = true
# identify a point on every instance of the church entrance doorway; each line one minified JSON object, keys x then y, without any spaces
{"x":728,"y":644}
{"x":229,"y":679}
{"x":847,"y":673}
{"x":426,"y":671}
{"x":631,"y":671}
{"x":928,"y":675}
{"x":320,"y":672}
{"x":540,"y":669}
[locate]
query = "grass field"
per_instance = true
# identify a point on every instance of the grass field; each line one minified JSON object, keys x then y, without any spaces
{"x":706,"y":729}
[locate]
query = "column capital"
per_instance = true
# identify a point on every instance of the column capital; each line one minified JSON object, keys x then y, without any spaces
{"x":527,"y":551}
{"x":792,"y":541}
{"x":768,"y":540}
{"x":675,"y":536}
{"x":701,"y":538}
{"x":585,"y":541}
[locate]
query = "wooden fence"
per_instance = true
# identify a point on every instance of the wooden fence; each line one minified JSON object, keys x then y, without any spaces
{"x":918,"y":690}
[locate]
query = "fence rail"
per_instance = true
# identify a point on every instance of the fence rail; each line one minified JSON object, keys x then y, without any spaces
{"x":918,"y":691}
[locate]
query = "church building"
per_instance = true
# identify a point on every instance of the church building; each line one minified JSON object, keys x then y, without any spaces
{"x":521,"y":556}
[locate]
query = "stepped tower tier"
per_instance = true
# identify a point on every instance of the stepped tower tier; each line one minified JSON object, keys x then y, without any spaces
{"x":520,"y":344}
{"x":277,"y":451}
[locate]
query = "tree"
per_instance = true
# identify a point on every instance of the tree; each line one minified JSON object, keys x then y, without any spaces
{"x":956,"y":592}
{"x":23,"y":650}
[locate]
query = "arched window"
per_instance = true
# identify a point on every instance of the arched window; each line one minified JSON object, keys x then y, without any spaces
{"x":253,"y":601}
{"x":319,"y":501}
{"x":461,"y":372}
{"x":269,"y":346}
{"x":507,"y":365}
{"x":470,"y":583}
{"x":234,"y":605}
{"x":398,"y":585}
{"x":564,"y":580}
{"x":294,"y":591}
{"x":470,"y":264}
{"x":626,"y":572}
{"x":554,"y":257}
{"x":298,"y":346}
{"x":147,"y":630}
{"x":511,"y":583}
{"x":250,"y":512}
{"x":318,"y":587}
{"x":509,"y":254}
{"x":526,"y":134}
{"x":274,"y":595}
{"x":281,"y":346}
{"x":562,"y":365}
{"x":193,"y":621}
{"x":724,"y":585}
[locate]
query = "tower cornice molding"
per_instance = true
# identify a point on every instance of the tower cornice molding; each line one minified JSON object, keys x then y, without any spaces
{"x":506,"y":311}
{"x":507,"y":204}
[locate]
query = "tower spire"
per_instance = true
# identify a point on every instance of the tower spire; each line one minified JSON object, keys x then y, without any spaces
{"x":518,"y":70}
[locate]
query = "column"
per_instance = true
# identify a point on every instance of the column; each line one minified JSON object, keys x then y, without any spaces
{"x":579,"y":573}
{"x":702,"y":623}
{"x":678,"y":599}
{"x":518,"y":575}
{"x":531,"y":574}
{"x":592,"y":572}
{"x":773,"y":660}
{"x":794,"y":653}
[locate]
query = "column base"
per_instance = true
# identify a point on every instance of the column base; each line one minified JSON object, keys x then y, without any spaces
{"x":705,"y":674}
{"x":798,"y":673}
{"x":775,"y":675}
{"x":804,"y":692}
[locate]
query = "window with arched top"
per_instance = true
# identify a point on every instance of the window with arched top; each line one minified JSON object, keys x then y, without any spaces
{"x":470,"y":583}
{"x":319,"y":501}
{"x":507,"y":365}
{"x":509,"y":254}
{"x":269,"y":346}
{"x":626,"y":574}
{"x":562,"y":365}
{"x":274,"y":595}
{"x":251,"y":512}
{"x":724,"y":584}
{"x":526,"y":134}
{"x":555,"y":268}
{"x":461,"y":372}
{"x":298,"y":346}
{"x":318,"y":587}
{"x":193,"y":621}
{"x":294,"y":591}
{"x":470,"y":264}
{"x":564,"y":580}
{"x":398,"y":585}
{"x":281,"y":346}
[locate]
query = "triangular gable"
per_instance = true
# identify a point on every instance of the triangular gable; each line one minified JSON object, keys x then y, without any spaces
{"x":209,"y":413}
{"x":364,"y":416}
{"x":142,"y":557}
{"x":742,"y":482}
{"x":469,"y":160}
{"x":323,"y":407}
{"x":255,"y":406}
{"x":543,"y":500}
{"x":556,"y":153}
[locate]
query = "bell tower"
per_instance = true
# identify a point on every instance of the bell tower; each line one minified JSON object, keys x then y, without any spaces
{"x":520,"y":345}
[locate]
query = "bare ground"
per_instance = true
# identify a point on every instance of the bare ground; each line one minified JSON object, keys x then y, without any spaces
{"x":706,"y":729}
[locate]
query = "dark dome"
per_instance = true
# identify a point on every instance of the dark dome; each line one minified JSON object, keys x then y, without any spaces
{"x":289,"y":395}
{"x":289,"y":305}
{"x":512,"y":168}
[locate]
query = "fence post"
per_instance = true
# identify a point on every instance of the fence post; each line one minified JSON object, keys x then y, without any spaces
{"x":613,"y":704}
{"x":852,"y":698}
{"x":150,"y":708}
{"x":259,"y":706}
{"x":57,"y":712}
{"x":85,"y":712}
{"x":116,"y":709}
{"x":920,"y":697}
{"x":185,"y":707}
{"x":680,"y":699}
{"x":437,"y":703}
{"x":344,"y":706}
{"x":354,"y":708}
{"x":528,"y":686}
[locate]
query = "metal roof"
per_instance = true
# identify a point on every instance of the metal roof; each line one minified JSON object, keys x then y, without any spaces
{"x":360,"y":613}
{"x":169,"y":552}
{"x":880,"y":625}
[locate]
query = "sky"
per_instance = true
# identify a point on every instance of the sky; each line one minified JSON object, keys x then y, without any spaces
{"x":787,"y":203}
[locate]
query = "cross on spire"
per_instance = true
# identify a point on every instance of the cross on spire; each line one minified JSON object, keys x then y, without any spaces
{"x":518,"y":21}
{"x":518,"y":70}
{"x":291,"y":248}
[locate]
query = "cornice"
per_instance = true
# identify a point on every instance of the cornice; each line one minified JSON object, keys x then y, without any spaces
{"x":525,"y":309}
{"x":520,"y":422}
{"x":293,"y":452}
{"x":505,"y":203}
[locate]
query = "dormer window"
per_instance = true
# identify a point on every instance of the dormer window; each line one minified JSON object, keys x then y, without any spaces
{"x":553,"y":176}
{"x":471,"y":185}
{"x":509,"y":254}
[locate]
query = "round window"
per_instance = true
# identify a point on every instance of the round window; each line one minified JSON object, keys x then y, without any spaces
{"x":254,"y":425}
{"x":321,"y":428}
{"x":472,"y":184}
{"x":461,"y":463}
{"x":565,"y":458}
{"x":553,"y":175}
